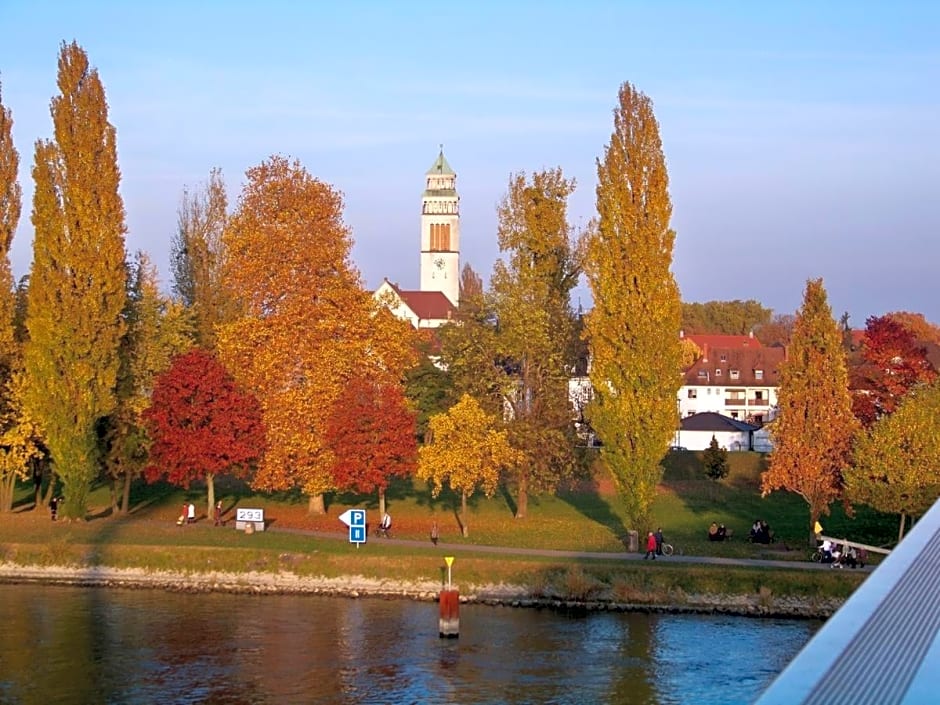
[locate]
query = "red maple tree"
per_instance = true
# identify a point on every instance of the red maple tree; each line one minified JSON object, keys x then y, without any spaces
{"x":891,"y":363}
{"x":202,"y":424}
{"x":371,"y":433}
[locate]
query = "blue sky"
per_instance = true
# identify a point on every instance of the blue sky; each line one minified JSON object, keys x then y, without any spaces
{"x":802,"y":139}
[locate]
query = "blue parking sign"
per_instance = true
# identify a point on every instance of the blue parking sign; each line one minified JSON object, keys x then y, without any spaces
{"x":355,"y":519}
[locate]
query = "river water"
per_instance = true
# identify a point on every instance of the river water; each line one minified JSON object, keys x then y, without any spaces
{"x":90,"y":645}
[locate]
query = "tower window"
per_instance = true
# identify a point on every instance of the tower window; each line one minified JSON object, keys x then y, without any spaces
{"x":440,"y":237}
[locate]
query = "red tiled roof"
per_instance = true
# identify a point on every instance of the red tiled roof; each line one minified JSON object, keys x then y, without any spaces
{"x":723,"y":341}
{"x":427,"y":305}
{"x":716,"y":365}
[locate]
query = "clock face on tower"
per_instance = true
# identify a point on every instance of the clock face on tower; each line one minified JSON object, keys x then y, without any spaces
{"x":439,"y":263}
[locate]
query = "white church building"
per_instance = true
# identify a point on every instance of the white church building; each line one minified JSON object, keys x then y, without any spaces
{"x":436,"y":301}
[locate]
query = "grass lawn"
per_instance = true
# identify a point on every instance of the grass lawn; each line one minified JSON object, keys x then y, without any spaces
{"x":588,"y":517}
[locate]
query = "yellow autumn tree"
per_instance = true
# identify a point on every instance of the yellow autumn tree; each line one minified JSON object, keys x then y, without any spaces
{"x":531,"y":294}
{"x":466,"y":451}
{"x":157,"y":330}
{"x":198,"y":257}
{"x":77,"y":279}
{"x":633,"y":329}
{"x":307,"y":325}
{"x":897,"y":462}
{"x":814,"y":430}
{"x":18,"y":443}
{"x":10,"y":206}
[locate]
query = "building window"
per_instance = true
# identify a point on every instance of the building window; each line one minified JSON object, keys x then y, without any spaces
{"x":718,"y":372}
{"x":759,"y":395}
{"x":724,"y":358}
{"x":734,"y":414}
{"x":758,"y":374}
{"x":734,"y":374}
{"x":693,"y":394}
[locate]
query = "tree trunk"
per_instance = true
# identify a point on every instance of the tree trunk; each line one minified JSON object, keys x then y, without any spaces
{"x":6,"y":493}
{"x":126,"y":495}
{"x":464,"y":529}
{"x":50,"y":490}
{"x":813,"y":518}
{"x":316,"y":504}
{"x":522,"y":497}
{"x":114,"y":495}
{"x":381,"y":504}
{"x":36,"y":466}
{"x":210,"y":492}
{"x":901,"y":527}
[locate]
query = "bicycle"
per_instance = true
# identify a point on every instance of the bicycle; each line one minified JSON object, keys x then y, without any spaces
{"x":669,"y":549}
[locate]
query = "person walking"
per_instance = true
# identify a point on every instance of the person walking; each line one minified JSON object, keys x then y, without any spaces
{"x":659,"y":542}
{"x":650,"y":546}
{"x":435,"y":533}
{"x":191,"y":513}
{"x":218,"y":513}
{"x":386,"y":526}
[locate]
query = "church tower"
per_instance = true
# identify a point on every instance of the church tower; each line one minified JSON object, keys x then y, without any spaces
{"x":440,"y":231}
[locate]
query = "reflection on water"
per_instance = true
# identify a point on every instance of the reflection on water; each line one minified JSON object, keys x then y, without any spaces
{"x":82,"y":645}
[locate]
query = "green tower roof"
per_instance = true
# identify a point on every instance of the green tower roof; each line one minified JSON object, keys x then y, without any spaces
{"x":440,"y":166}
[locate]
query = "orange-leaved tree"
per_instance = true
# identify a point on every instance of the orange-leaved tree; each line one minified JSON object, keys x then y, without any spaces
{"x":466,"y":450}
{"x":371,"y":434}
{"x":202,"y":425}
{"x":814,"y":430}
{"x":306,"y":326}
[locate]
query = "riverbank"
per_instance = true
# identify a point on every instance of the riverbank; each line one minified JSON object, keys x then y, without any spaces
{"x":762,"y":604}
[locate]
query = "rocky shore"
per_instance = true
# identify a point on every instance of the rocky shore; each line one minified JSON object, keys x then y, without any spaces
{"x":286,"y":583}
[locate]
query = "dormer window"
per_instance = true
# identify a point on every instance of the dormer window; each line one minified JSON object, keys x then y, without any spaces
{"x":758,"y":374}
{"x":718,"y":372}
{"x":734,"y":374}
{"x":724,"y":357}
{"x":703,"y":373}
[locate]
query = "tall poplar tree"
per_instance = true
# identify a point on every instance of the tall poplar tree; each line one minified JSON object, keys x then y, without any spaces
{"x":633,"y":330}
{"x":17,"y":441}
{"x":198,"y":257}
{"x":77,"y":280}
{"x":814,"y":430}
{"x":531,"y":291}
{"x":11,"y":202}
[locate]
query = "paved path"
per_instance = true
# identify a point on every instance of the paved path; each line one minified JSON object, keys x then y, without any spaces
{"x":584,"y":555}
